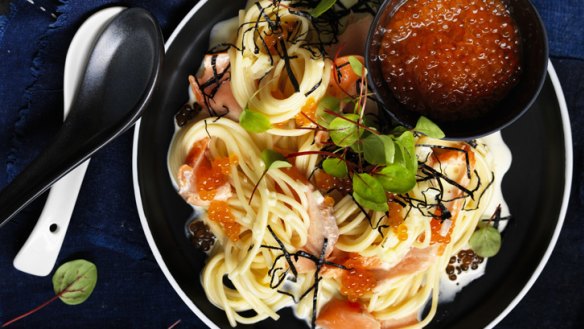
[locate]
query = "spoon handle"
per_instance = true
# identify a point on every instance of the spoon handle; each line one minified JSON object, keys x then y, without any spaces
{"x":59,"y":158}
{"x":39,"y":253}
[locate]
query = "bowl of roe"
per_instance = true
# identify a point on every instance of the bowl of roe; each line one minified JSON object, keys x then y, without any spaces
{"x":471,"y":66}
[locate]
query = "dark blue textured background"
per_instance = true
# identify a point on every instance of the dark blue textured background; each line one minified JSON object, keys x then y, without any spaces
{"x":131,"y":291}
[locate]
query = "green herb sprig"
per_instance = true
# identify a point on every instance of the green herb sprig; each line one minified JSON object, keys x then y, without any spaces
{"x":271,"y":160}
{"x":385,"y":162}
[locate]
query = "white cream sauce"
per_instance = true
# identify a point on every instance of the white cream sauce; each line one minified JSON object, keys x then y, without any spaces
{"x":499,"y":158}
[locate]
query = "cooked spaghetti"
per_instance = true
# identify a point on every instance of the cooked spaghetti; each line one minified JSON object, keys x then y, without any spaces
{"x":292,"y":232}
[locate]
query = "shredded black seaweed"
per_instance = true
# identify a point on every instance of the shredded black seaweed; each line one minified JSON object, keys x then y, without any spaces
{"x":496,"y":218}
{"x":434,"y":207}
{"x":279,"y":274}
{"x":313,"y":88}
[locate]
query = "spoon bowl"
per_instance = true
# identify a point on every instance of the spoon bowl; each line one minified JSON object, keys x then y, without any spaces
{"x":117,"y":84}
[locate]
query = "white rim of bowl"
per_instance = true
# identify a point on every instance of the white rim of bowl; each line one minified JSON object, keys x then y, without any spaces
{"x":514,"y":302}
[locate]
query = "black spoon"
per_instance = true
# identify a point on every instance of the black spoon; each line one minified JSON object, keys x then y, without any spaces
{"x":118,"y":82}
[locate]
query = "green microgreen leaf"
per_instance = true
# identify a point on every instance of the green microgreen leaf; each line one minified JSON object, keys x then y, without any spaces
{"x":356,"y":65}
{"x":322,"y":7}
{"x":486,"y":241}
{"x":274,"y":160}
{"x":345,"y":133}
{"x":335,"y":167}
{"x":367,"y":204}
{"x":369,"y":193}
{"x":428,"y":128}
{"x":254,"y":122}
{"x":396,"y":178}
{"x":378,"y":149}
{"x":74,"y":281}
{"x":326,"y":103}
{"x":406,"y":145}
{"x":398,"y":130}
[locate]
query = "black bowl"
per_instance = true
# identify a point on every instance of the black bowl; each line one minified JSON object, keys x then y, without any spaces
{"x":534,"y":188}
{"x":534,"y":59}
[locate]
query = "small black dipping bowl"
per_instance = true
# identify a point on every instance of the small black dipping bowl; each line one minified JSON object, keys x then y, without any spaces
{"x":534,"y":59}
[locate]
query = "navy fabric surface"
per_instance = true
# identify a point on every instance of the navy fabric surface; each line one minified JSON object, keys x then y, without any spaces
{"x":131,"y":291}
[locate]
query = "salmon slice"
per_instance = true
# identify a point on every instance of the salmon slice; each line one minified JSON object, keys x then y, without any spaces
{"x":342,"y":314}
{"x":415,"y":261}
{"x":323,"y":225}
{"x":401,"y":322}
{"x":187,"y":176}
{"x":352,"y":40}
{"x":212,"y":87}
{"x":457,"y":166}
{"x":344,"y":80}
{"x":454,"y":165}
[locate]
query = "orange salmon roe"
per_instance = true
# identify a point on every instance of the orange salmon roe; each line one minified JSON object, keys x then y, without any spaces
{"x":401,"y":231}
{"x":394,"y":219}
{"x":329,"y":201}
{"x":354,"y":260}
{"x":436,"y":226}
{"x":357,"y":282}
{"x":219,"y":212}
{"x":307,"y":114}
{"x":271,"y":40}
{"x":224,"y":164}
{"x":451,"y":58}
{"x":325,"y":182}
{"x":211,"y":176}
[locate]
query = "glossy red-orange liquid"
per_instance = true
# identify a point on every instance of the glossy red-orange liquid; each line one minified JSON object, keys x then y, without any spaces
{"x":451,"y":59}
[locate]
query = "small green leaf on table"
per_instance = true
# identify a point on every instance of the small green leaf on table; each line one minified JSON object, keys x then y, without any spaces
{"x":74,"y":281}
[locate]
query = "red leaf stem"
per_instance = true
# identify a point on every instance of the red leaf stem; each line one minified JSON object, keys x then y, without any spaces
{"x":34,"y":310}
{"x":176,"y":323}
